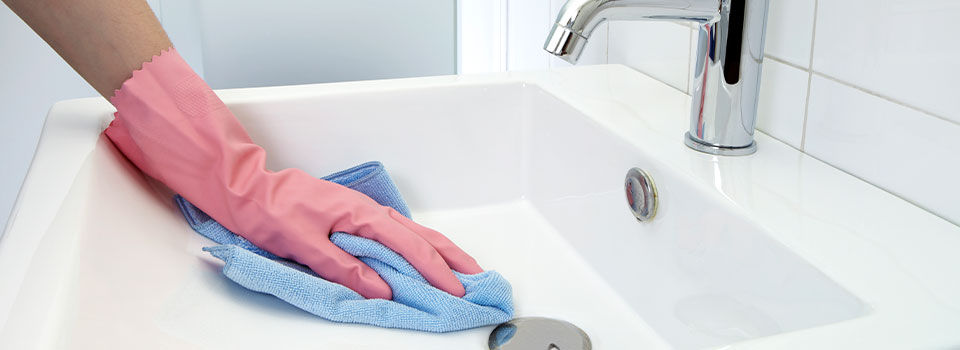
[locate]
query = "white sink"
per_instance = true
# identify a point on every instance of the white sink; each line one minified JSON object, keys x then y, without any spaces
{"x":524,"y":171}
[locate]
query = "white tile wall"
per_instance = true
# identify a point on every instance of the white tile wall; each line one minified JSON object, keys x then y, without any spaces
{"x":783,"y":101}
{"x":905,"y":50}
{"x":891,"y":145}
{"x":867,"y":86}
{"x":527,"y":33}
{"x":482,"y":37}
{"x":790,"y":30}
{"x":661,"y":49}
{"x":665,"y":53}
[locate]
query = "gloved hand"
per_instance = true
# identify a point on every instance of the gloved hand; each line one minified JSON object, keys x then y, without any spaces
{"x":172,"y":126}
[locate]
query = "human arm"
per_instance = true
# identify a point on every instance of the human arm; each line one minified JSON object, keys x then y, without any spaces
{"x":103,"y":40}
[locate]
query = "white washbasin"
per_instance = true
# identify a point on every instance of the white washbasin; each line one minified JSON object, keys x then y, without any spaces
{"x":525,"y":172}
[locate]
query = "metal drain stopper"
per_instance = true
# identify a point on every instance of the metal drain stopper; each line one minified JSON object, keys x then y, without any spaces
{"x":538,"y":333}
{"x":641,"y":194}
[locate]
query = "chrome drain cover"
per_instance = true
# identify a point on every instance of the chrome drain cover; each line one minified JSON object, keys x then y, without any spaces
{"x":538,"y":333}
{"x":641,"y":194}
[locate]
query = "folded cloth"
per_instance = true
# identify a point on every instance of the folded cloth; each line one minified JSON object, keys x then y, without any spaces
{"x":416,"y":304}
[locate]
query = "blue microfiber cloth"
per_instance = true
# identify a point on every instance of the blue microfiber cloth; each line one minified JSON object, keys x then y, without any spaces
{"x":416,"y":304}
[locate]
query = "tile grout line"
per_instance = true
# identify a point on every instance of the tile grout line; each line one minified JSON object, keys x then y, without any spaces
{"x":884,"y":97}
{"x":606,"y":49}
{"x":861,"y":89}
{"x":785,"y":62}
{"x":806,"y":104}
{"x":923,"y":207}
{"x":783,"y":142}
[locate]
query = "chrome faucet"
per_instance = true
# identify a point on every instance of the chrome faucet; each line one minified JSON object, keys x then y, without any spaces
{"x":729,"y":56}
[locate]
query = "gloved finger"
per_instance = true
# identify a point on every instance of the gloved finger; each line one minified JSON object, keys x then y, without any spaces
{"x":454,"y":256}
{"x":334,"y":264}
{"x":417,"y":251}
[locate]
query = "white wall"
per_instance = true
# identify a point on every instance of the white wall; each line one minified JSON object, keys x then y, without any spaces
{"x":282,"y":42}
{"x":32,"y":78}
{"x":866,"y":86}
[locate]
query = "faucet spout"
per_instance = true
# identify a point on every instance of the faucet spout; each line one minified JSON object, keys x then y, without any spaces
{"x":726,"y":80}
{"x":578,"y":18}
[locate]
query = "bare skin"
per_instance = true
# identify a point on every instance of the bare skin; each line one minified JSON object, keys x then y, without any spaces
{"x":103,"y":40}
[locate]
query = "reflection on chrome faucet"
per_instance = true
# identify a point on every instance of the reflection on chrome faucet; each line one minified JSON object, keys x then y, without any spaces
{"x":729,"y":56}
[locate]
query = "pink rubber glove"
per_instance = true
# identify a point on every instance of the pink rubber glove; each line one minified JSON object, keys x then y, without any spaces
{"x":175,"y":129}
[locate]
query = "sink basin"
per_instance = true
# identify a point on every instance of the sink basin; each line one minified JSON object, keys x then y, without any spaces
{"x":524,"y":171}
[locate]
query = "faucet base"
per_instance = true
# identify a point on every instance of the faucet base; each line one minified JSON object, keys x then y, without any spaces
{"x":717,"y":150}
